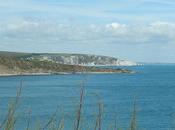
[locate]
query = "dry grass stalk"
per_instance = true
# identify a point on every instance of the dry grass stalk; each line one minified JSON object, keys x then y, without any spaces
{"x":78,"y":119}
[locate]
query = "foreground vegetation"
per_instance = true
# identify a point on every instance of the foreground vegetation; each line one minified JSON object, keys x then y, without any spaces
{"x":11,"y":120}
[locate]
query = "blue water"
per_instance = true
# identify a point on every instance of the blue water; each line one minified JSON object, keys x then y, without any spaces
{"x":153,"y":87}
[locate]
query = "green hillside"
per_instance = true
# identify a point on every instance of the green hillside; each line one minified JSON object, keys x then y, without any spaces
{"x":10,"y":63}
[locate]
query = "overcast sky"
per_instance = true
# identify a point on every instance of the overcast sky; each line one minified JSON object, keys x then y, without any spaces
{"x":137,"y":30}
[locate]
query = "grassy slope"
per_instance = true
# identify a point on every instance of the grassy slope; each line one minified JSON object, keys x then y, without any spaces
{"x":14,"y":65}
{"x":23,"y":55}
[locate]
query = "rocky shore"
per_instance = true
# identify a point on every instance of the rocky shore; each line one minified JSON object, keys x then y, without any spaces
{"x":2,"y":74}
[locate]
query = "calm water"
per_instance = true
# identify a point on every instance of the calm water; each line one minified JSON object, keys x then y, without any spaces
{"x":153,"y":86}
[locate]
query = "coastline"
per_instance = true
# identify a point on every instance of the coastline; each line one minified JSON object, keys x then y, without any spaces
{"x":59,"y":73}
{"x":23,"y":74}
{"x":11,"y":66}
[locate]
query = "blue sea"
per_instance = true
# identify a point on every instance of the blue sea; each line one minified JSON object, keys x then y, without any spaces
{"x":152,"y":88}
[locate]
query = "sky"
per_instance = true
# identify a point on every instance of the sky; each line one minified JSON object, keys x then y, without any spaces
{"x":136,"y":30}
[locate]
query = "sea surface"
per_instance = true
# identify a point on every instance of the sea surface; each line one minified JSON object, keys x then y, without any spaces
{"x":152,"y":88}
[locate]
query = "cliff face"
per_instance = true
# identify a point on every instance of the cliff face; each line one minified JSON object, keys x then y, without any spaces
{"x":85,"y":60}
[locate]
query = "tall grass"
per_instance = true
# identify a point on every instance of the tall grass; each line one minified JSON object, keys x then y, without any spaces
{"x":133,"y":125}
{"x":10,"y":121}
{"x":79,"y":112}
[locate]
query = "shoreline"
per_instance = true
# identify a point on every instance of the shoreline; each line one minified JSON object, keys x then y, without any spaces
{"x":58,"y":73}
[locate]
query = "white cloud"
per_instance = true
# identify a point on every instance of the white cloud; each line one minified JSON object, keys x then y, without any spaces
{"x":115,"y":26}
{"x":49,"y":32}
{"x":163,"y":29}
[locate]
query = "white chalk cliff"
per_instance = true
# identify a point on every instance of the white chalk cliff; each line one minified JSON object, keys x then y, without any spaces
{"x":83,"y":59}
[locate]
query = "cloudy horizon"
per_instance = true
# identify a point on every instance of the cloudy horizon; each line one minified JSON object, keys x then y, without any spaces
{"x":139,"y":31}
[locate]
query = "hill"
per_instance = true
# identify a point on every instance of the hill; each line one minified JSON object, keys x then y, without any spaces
{"x":20,"y":63}
{"x":72,"y":59}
